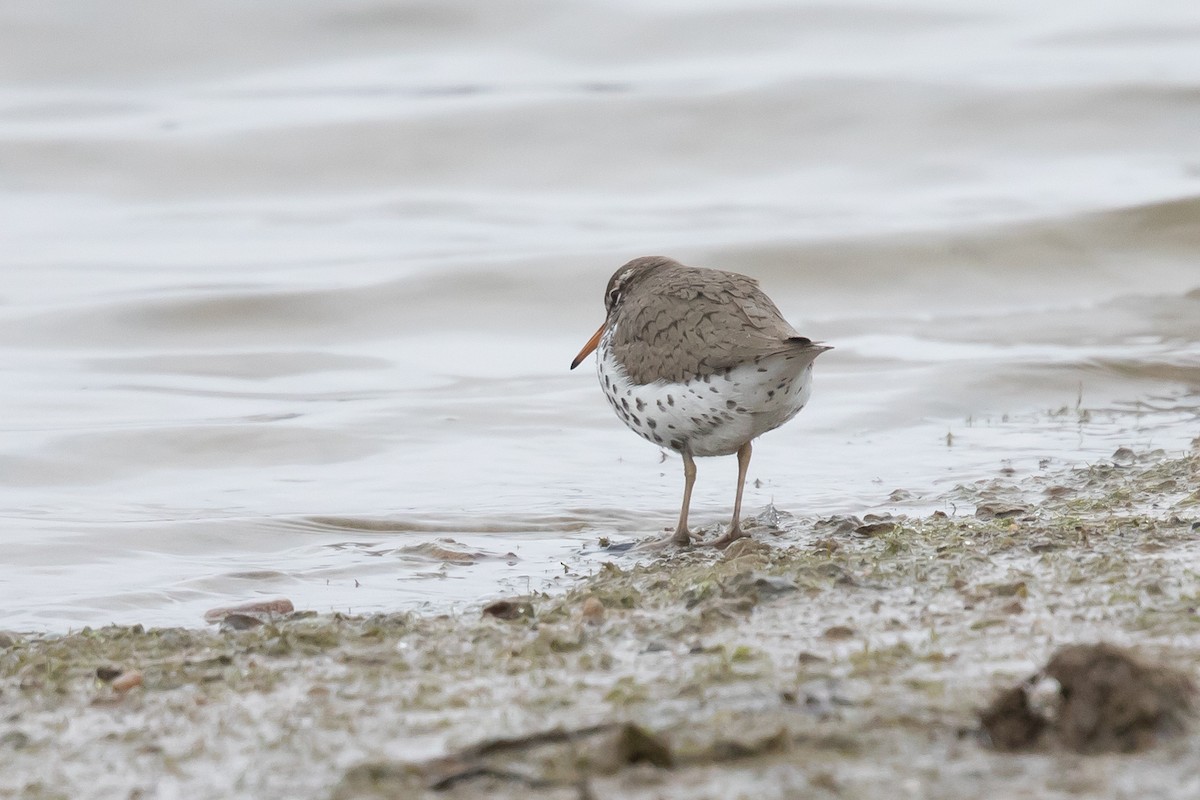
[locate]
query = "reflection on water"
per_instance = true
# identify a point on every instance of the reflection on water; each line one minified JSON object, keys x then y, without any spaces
{"x":279,"y":309}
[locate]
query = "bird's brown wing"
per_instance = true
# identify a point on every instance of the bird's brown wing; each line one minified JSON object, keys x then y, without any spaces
{"x":695,"y":322}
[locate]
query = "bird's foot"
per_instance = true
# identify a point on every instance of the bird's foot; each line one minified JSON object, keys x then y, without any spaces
{"x":681,"y":538}
{"x":731,"y":536}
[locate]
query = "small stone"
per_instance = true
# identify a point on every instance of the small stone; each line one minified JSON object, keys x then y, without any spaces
{"x":839,"y":632}
{"x":107,"y":674}
{"x":240,"y":622}
{"x":126,"y":681}
{"x":634,"y":744}
{"x":509,"y":609}
{"x":989,"y":511}
{"x":760,"y":585}
{"x":827,"y":545}
{"x":592,"y":611}
{"x":263,"y":609}
{"x":836,"y":526}
{"x":445,"y":550}
{"x":1010,"y":723}
{"x":1124,"y":455}
{"x":746,"y":546}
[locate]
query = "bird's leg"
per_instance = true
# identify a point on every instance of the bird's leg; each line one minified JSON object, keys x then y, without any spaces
{"x":735,"y":527}
{"x":682,"y":537}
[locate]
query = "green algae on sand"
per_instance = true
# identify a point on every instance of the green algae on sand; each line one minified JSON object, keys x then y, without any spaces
{"x":823,"y":658}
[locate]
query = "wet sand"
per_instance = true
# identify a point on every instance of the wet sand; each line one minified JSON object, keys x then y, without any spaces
{"x":289,"y":295}
{"x":826,"y":657}
{"x":290,"y":288}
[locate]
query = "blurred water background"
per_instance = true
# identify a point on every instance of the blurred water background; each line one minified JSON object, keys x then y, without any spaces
{"x":289,"y":288}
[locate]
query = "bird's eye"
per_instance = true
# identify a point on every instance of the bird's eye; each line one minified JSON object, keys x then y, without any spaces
{"x":613,"y":296}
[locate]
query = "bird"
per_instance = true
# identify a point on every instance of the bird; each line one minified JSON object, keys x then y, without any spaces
{"x":701,"y":362}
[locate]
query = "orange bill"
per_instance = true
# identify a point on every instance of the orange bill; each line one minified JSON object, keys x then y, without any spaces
{"x":591,"y":345}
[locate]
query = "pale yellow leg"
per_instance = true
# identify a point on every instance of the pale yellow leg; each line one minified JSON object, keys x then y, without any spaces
{"x":689,"y":479}
{"x":735,"y":527}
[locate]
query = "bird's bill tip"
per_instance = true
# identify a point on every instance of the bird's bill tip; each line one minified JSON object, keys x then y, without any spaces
{"x":588,"y":348}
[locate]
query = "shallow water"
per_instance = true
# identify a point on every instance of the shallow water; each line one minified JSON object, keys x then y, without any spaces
{"x":290,"y":289}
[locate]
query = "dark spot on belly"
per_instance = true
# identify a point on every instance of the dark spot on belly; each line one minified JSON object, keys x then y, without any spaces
{"x":671,"y":427}
{"x":661,"y":407}
{"x":695,"y":420}
{"x":670,"y":400}
{"x":770,"y":394}
{"x":677,"y":444}
{"x":640,"y":405}
{"x":624,"y":404}
{"x":636,"y":421}
{"x":762,"y":369}
{"x":740,"y":410}
{"x":658,"y":439}
{"x":730,"y":403}
{"x":652,"y":423}
{"x":714,"y":390}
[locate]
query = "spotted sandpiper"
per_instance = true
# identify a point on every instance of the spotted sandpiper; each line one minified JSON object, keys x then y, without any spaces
{"x":701,"y":362}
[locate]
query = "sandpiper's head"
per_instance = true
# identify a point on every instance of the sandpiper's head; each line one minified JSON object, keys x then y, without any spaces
{"x":619,"y":286}
{"x":631,"y":273}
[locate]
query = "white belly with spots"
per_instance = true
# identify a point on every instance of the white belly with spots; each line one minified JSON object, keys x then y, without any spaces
{"x":713,"y":416}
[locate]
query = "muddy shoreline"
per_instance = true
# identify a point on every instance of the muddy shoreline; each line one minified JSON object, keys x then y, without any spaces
{"x":840,"y":657}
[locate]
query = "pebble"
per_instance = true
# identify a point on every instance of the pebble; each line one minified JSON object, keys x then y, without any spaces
{"x":592,"y":611}
{"x":839,"y":632}
{"x":107,"y":674}
{"x":761,"y":585}
{"x":990,"y":511}
{"x":241,"y":622}
{"x":126,"y":681}
{"x":516,"y":608}
{"x":879,"y":528}
{"x":264,"y":608}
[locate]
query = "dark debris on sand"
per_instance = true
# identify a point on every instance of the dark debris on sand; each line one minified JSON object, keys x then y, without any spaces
{"x":1109,"y":700}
